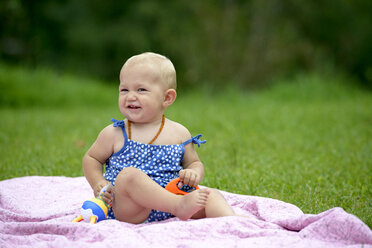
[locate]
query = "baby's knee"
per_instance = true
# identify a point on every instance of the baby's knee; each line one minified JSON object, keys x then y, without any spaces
{"x":215,"y":193}
{"x":127,"y":175}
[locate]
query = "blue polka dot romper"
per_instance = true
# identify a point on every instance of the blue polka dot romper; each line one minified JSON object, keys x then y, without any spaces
{"x":161,"y":163}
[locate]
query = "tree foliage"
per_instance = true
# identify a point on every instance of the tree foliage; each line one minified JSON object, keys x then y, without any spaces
{"x":211,"y":42}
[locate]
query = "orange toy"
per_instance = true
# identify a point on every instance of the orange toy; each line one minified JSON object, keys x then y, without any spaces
{"x":172,"y":186}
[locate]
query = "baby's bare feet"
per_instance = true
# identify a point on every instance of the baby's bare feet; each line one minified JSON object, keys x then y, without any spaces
{"x":191,"y":203}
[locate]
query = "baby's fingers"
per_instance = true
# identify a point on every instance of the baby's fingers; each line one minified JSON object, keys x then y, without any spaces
{"x":110,"y":189}
{"x":193,"y":181}
{"x":182,"y":174}
{"x":189,"y":179}
{"x":106,"y":194}
{"x":185,"y":177}
{"x":107,"y":197}
{"x":180,"y":184}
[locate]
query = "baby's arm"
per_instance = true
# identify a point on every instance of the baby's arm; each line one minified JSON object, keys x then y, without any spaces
{"x":96,"y":156}
{"x":193,"y":169}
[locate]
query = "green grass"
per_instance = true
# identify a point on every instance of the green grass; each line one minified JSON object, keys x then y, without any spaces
{"x":307,"y":141}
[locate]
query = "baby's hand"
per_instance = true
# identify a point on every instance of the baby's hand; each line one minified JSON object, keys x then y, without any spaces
{"x":98,"y":187}
{"x":107,"y":196}
{"x":189,"y":177}
{"x":107,"y":193}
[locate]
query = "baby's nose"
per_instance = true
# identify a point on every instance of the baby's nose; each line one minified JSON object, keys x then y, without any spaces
{"x":131,"y":95}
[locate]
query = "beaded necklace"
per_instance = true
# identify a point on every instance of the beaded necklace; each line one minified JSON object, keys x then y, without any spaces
{"x":156,"y":136}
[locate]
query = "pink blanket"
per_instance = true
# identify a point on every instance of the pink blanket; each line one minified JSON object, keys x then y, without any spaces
{"x":37,"y":212}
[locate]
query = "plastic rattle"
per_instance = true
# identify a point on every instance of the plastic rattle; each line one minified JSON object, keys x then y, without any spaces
{"x":172,"y":186}
{"x":94,"y":209}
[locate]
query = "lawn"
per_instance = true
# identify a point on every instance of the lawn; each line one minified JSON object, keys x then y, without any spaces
{"x":306,"y":141}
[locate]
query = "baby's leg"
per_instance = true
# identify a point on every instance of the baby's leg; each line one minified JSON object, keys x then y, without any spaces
{"x":216,"y":206}
{"x":135,"y":194}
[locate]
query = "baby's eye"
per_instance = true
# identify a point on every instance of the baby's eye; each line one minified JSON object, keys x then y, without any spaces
{"x":142,"y":90}
{"x":123,"y":90}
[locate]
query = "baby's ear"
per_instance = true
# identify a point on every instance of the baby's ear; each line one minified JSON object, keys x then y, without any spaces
{"x":170,"y":97}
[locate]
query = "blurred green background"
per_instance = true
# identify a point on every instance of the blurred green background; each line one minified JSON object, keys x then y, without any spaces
{"x":280,"y":89}
{"x":212,"y":42}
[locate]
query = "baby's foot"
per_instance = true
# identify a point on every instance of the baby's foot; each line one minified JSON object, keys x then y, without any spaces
{"x":191,"y":203}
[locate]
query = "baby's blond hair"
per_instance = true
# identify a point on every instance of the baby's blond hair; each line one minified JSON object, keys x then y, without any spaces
{"x":166,"y":69}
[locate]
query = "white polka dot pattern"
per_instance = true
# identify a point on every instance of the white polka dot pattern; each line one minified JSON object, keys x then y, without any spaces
{"x":160,"y":162}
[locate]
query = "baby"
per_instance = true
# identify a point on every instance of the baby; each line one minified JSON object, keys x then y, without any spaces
{"x":146,"y":151}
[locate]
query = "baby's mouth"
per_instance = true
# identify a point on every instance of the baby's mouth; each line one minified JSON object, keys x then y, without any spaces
{"x":133,"y":107}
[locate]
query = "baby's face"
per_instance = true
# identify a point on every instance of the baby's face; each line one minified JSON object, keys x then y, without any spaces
{"x":141,"y":93}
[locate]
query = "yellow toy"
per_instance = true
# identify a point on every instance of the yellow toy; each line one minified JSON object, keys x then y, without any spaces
{"x":94,"y":209}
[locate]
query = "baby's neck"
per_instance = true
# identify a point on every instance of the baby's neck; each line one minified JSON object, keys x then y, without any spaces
{"x":145,"y":125}
{"x":142,"y":131}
